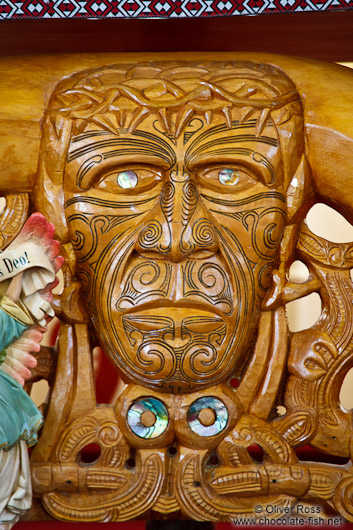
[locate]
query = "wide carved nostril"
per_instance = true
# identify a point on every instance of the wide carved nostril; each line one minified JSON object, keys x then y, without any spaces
{"x":151,"y":238}
{"x":199,"y":236}
{"x":204,"y":234}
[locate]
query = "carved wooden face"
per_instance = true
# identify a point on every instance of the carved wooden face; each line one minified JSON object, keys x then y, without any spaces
{"x":175,"y":242}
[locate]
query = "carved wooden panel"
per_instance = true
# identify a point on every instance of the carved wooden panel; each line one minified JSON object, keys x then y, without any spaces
{"x":179,"y":191}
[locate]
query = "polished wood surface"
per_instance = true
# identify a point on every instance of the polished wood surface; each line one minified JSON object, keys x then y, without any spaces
{"x":179,"y":191}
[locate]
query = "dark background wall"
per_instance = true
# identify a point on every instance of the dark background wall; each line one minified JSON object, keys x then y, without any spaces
{"x":318,"y":35}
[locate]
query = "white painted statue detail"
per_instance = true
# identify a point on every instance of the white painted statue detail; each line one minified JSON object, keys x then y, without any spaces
{"x":27,"y":276}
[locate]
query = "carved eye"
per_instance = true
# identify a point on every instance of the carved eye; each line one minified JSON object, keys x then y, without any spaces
{"x":127,"y":179}
{"x":234,"y":178}
{"x":228,"y":177}
{"x":130,"y":180}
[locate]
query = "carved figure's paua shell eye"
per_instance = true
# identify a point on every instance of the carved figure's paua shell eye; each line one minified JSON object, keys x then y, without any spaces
{"x":127,"y":179}
{"x":228,"y":177}
{"x":207,"y":416}
{"x":148,"y":418}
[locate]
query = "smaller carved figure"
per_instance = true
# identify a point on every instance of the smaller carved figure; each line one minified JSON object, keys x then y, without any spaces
{"x":27,"y":279}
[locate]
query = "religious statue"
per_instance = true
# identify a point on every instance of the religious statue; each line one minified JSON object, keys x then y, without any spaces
{"x":179,"y":191}
{"x":31,"y":261}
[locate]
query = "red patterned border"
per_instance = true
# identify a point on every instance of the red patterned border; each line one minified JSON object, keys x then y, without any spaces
{"x":93,"y":9}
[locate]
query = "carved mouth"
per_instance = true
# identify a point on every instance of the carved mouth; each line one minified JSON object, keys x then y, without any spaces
{"x":164,"y":306}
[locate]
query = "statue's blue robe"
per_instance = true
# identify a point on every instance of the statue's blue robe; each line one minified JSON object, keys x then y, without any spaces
{"x":19,"y":417}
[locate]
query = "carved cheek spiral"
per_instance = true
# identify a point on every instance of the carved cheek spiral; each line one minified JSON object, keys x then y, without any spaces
{"x":85,"y":233}
{"x":155,"y":360}
{"x":145,"y":275}
{"x":272,"y":235}
{"x":266,"y":231}
{"x":212,"y":279}
{"x":78,"y":240}
{"x":199,"y":361}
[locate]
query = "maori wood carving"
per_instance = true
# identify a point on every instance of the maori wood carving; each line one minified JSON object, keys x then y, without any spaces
{"x":179,"y":191}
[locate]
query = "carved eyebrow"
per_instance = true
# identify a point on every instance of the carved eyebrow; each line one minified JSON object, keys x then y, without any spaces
{"x":155,"y":138}
{"x":249,"y":124}
{"x":133,"y":146}
{"x":192,"y":154}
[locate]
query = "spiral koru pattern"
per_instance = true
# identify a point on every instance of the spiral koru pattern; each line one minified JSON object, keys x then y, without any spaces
{"x":265,"y":276}
{"x":109,"y":434}
{"x":190,"y":197}
{"x":155,"y":360}
{"x":336,"y":256}
{"x":151,"y":235}
{"x":78,"y":240}
{"x":144,"y":274}
{"x":272,"y":235}
{"x":211,"y":275}
{"x":85,"y":242}
{"x":167,"y":201}
{"x":343,"y":498}
{"x":204,"y":233}
{"x":199,"y":361}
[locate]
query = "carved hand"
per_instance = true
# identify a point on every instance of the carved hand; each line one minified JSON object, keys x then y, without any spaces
{"x":19,"y":361}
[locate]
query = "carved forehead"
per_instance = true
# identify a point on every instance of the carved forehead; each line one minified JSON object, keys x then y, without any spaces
{"x":173,"y":92}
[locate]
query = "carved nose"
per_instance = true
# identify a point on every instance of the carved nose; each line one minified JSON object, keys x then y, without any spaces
{"x":179,"y":227}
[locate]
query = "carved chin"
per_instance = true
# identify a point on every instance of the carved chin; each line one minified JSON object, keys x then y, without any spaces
{"x":174,"y":327}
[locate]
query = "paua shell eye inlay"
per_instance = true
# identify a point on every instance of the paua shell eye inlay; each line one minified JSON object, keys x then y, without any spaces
{"x":228,"y":177}
{"x":127,"y":179}
{"x":148,"y":418}
{"x":207,"y":416}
